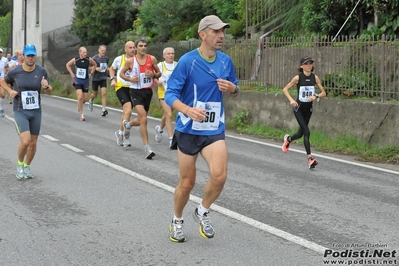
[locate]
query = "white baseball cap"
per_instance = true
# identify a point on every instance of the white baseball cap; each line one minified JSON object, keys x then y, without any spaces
{"x":212,"y":22}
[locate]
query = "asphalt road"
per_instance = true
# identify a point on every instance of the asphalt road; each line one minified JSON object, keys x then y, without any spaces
{"x":92,"y":202}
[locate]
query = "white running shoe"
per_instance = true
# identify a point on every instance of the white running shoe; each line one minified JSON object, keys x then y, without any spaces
{"x":126,"y":142}
{"x":206,"y":229}
{"x":158,"y":134}
{"x":176,"y":231}
{"x":20,"y":172}
{"x":119,"y":138}
{"x":149,"y":153}
{"x":91,"y":105}
{"x":28,"y":173}
{"x":126,"y":129}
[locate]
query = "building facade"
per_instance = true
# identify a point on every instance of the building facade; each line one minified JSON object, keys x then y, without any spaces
{"x":33,"y":18}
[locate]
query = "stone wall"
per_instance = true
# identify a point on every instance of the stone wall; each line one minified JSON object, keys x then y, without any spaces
{"x":372,"y":122}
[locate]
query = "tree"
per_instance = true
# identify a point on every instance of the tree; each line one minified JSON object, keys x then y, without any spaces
{"x":326,"y":17}
{"x":322,"y":17}
{"x":5,"y":7}
{"x":98,"y":21}
{"x":165,"y":19}
{"x":5,"y":29}
{"x":226,"y":9}
{"x":269,"y":14}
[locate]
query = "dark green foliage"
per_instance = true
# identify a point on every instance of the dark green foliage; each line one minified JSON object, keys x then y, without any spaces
{"x":241,"y":119}
{"x":5,"y":29}
{"x":163,"y":20}
{"x":97,"y":22}
{"x":237,"y":28}
{"x":225,"y":9}
{"x":326,"y":17}
{"x":173,"y":19}
{"x":182,"y":31}
{"x":5,"y":7}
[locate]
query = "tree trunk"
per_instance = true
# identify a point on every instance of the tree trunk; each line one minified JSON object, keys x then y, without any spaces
{"x":377,"y":13}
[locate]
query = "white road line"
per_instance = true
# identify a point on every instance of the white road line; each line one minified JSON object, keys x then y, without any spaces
{"x":9,"y":118}
{"x":72,"y":148}
{"x":319,"y":155}
{"x":49,"y":137}
{"x":264,"y":227}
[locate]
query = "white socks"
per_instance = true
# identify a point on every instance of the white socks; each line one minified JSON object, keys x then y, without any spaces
{"x":202,"y":210}
{"x":177,"y":219}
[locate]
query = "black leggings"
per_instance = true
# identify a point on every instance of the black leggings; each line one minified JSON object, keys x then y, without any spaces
{"x":302,"y":115}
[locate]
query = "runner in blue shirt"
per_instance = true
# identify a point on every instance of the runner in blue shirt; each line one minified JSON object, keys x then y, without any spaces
{"x":195,"y":90}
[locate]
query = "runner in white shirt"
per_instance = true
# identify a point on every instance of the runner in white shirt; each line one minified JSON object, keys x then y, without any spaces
{"x":3,"y":63}
{"x":166,"y":67}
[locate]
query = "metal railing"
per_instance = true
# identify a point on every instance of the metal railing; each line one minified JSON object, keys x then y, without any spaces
{"x":358,"y":66}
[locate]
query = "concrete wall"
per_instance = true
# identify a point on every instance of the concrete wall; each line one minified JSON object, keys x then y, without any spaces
{"x":56,"y":14}
{"x":372,"y":122}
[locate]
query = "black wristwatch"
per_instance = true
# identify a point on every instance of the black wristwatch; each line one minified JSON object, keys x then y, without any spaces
{"x":112,"y":78}
{"x":316,"y":95}
{"x":236,"y":90}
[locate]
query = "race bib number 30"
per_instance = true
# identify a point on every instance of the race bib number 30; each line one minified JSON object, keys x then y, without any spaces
{"x":30,"y":100}
{"x":212,"y":119}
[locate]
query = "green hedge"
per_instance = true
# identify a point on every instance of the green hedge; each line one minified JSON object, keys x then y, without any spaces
{"x":5,"y":29}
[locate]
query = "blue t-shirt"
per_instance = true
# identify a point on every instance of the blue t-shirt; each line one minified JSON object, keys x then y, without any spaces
{"x":193,"y":82}
{"x":23,"y":81}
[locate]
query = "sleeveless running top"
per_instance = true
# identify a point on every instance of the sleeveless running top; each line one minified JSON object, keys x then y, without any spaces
{"x":82,"y":67}
{"x":118,"y":64}
{"x":306,"y":88}
{"x":165,"y":73}
{"x":144,"y":81}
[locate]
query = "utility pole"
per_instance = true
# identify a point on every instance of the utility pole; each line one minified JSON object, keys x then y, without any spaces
{"x":246,"y":71}
{"x":25,"y":3}
{"x":11,"y":37}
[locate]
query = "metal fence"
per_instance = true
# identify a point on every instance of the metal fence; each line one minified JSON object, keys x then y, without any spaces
{"x":358,"y":66}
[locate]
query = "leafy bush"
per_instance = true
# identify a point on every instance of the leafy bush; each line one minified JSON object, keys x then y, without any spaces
{"x":241,"y":119}
{"x":5,"y":29}
{"x":237,"y":28}
{"x":97,"y":22}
